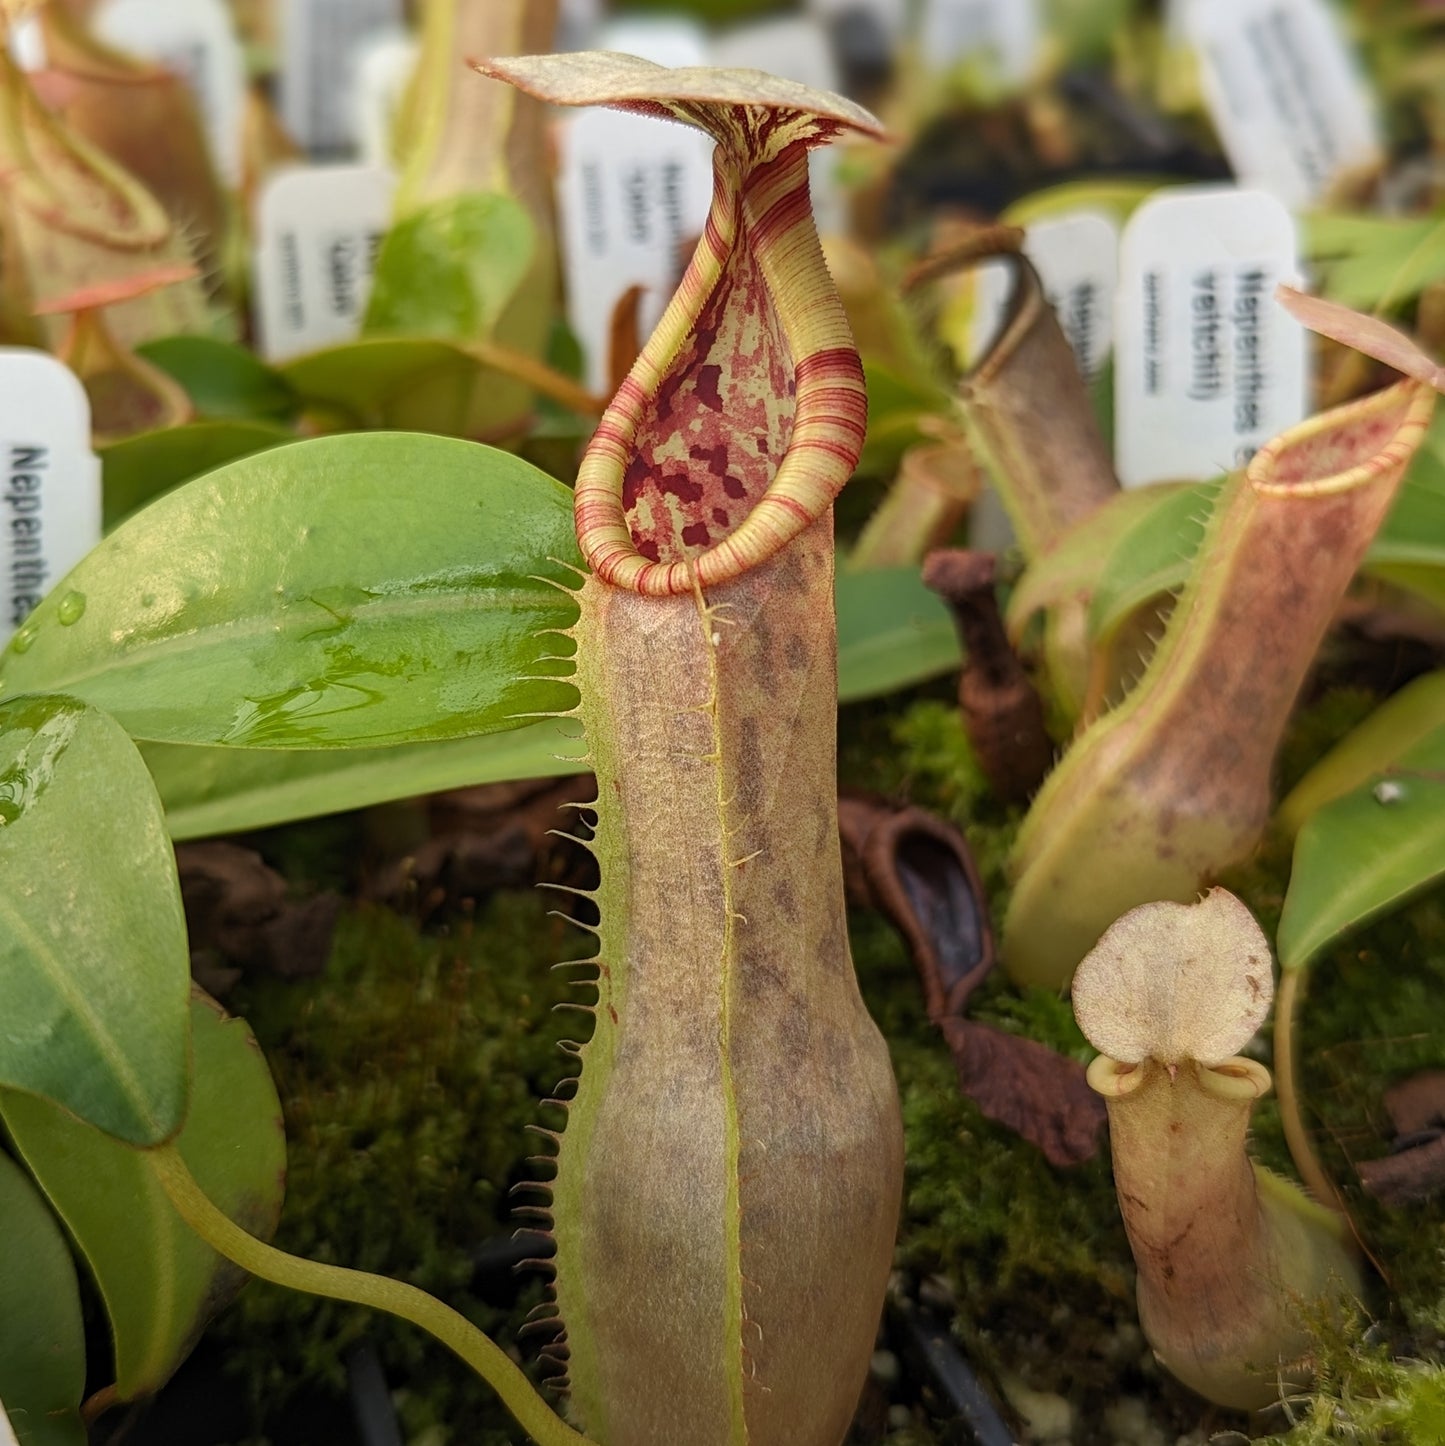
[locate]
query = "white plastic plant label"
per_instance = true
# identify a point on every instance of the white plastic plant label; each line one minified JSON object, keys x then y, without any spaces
{"x":320,"y":42}
{"x":27,"y":50}
{"x":1009,"y":33}
{"x":50,"y":482}
{"x":632,"y":193}
{"x":662,"y":39}
{"x":319,"y":229}
{"x":197,"y":40}
{"x":1290,"y":103}
{"x":1208,"y":367}
{"x":1077,"y":257}
{"x":7,"y":1435}
{"x":384,"y":67}
{"x":577,"y":24}
{"x":793,"y":46}
{"x":796,"y":48}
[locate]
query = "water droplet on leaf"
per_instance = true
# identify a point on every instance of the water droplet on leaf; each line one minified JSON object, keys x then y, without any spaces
{"x":1389,"y":791}
{"x":72,"y":608}
{"x":23,"y":640}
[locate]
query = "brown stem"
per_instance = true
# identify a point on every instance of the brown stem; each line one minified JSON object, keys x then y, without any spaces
{"x":1002,"y":714}
{"x":539,"y":376}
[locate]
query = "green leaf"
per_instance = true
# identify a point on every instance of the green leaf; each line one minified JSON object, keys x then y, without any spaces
{"x":377,"y":380}
{"x":138,"y":469}
{"x":1151,"y":557}
{"x":1376,"y":262}
{"x":227,"y":790}
{"x":896,"y":406}
{"x":450,"y":268}
{"x":1426,"y":583}
{"x":1074,"y":566}
{"x":1154,"y":555}
{"x":42,"y":1340}
{"x":1366,"y":853}
{"x":1398,"y":725}
{"x":1413,"y":535}
{"x":94,"y":965}
{"x":161,"y":1283}
{"x":892,"y":632}
{"x":1121,"y":196}
{"x":225,"y":382}
{"x":364,"y":589}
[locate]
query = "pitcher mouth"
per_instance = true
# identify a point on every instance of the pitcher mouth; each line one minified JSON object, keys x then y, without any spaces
{"x":1346,"y":448}
{"x":680,"y":490}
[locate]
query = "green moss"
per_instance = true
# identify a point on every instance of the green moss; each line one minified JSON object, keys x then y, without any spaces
{"x":411,"y":1070}
{"x":409,"y":1073}
{"x":1037,"y":1257}
{"x":1363,"y":1393}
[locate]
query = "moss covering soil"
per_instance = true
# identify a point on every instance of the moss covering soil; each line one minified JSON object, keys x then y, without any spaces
{"x":412,"y":1068}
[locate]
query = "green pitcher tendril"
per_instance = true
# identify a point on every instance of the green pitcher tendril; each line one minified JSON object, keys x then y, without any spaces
{"x":394,"y":1297}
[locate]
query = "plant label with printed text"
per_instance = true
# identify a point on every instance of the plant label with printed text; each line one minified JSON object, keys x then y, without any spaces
{"x":1288,"y":99}
{"x":319,"y":229}
{"x":632,"y":196}
{"x":321,"y":41}
{"x":1077,"y":257}
{"x":50,"y":484}
{"x":1208,"y":367}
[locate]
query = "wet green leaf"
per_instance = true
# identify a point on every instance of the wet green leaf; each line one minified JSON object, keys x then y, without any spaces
{"x":161,"y":1283}
{"x":138,"y":469}
{"x":94,"y":965}
{"x":228,"y":790}
{"x":1398,"y":725}
{"x":892,"y":632}
{"x":1366,"y":852}
{"x":449,"y":268}
{"x":225,"y":382}
{"x":42,"y":1340}
{"x":346,"y":591}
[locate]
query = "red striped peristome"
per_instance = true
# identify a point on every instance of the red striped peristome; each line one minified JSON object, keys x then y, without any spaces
{"x":676,"y":491}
